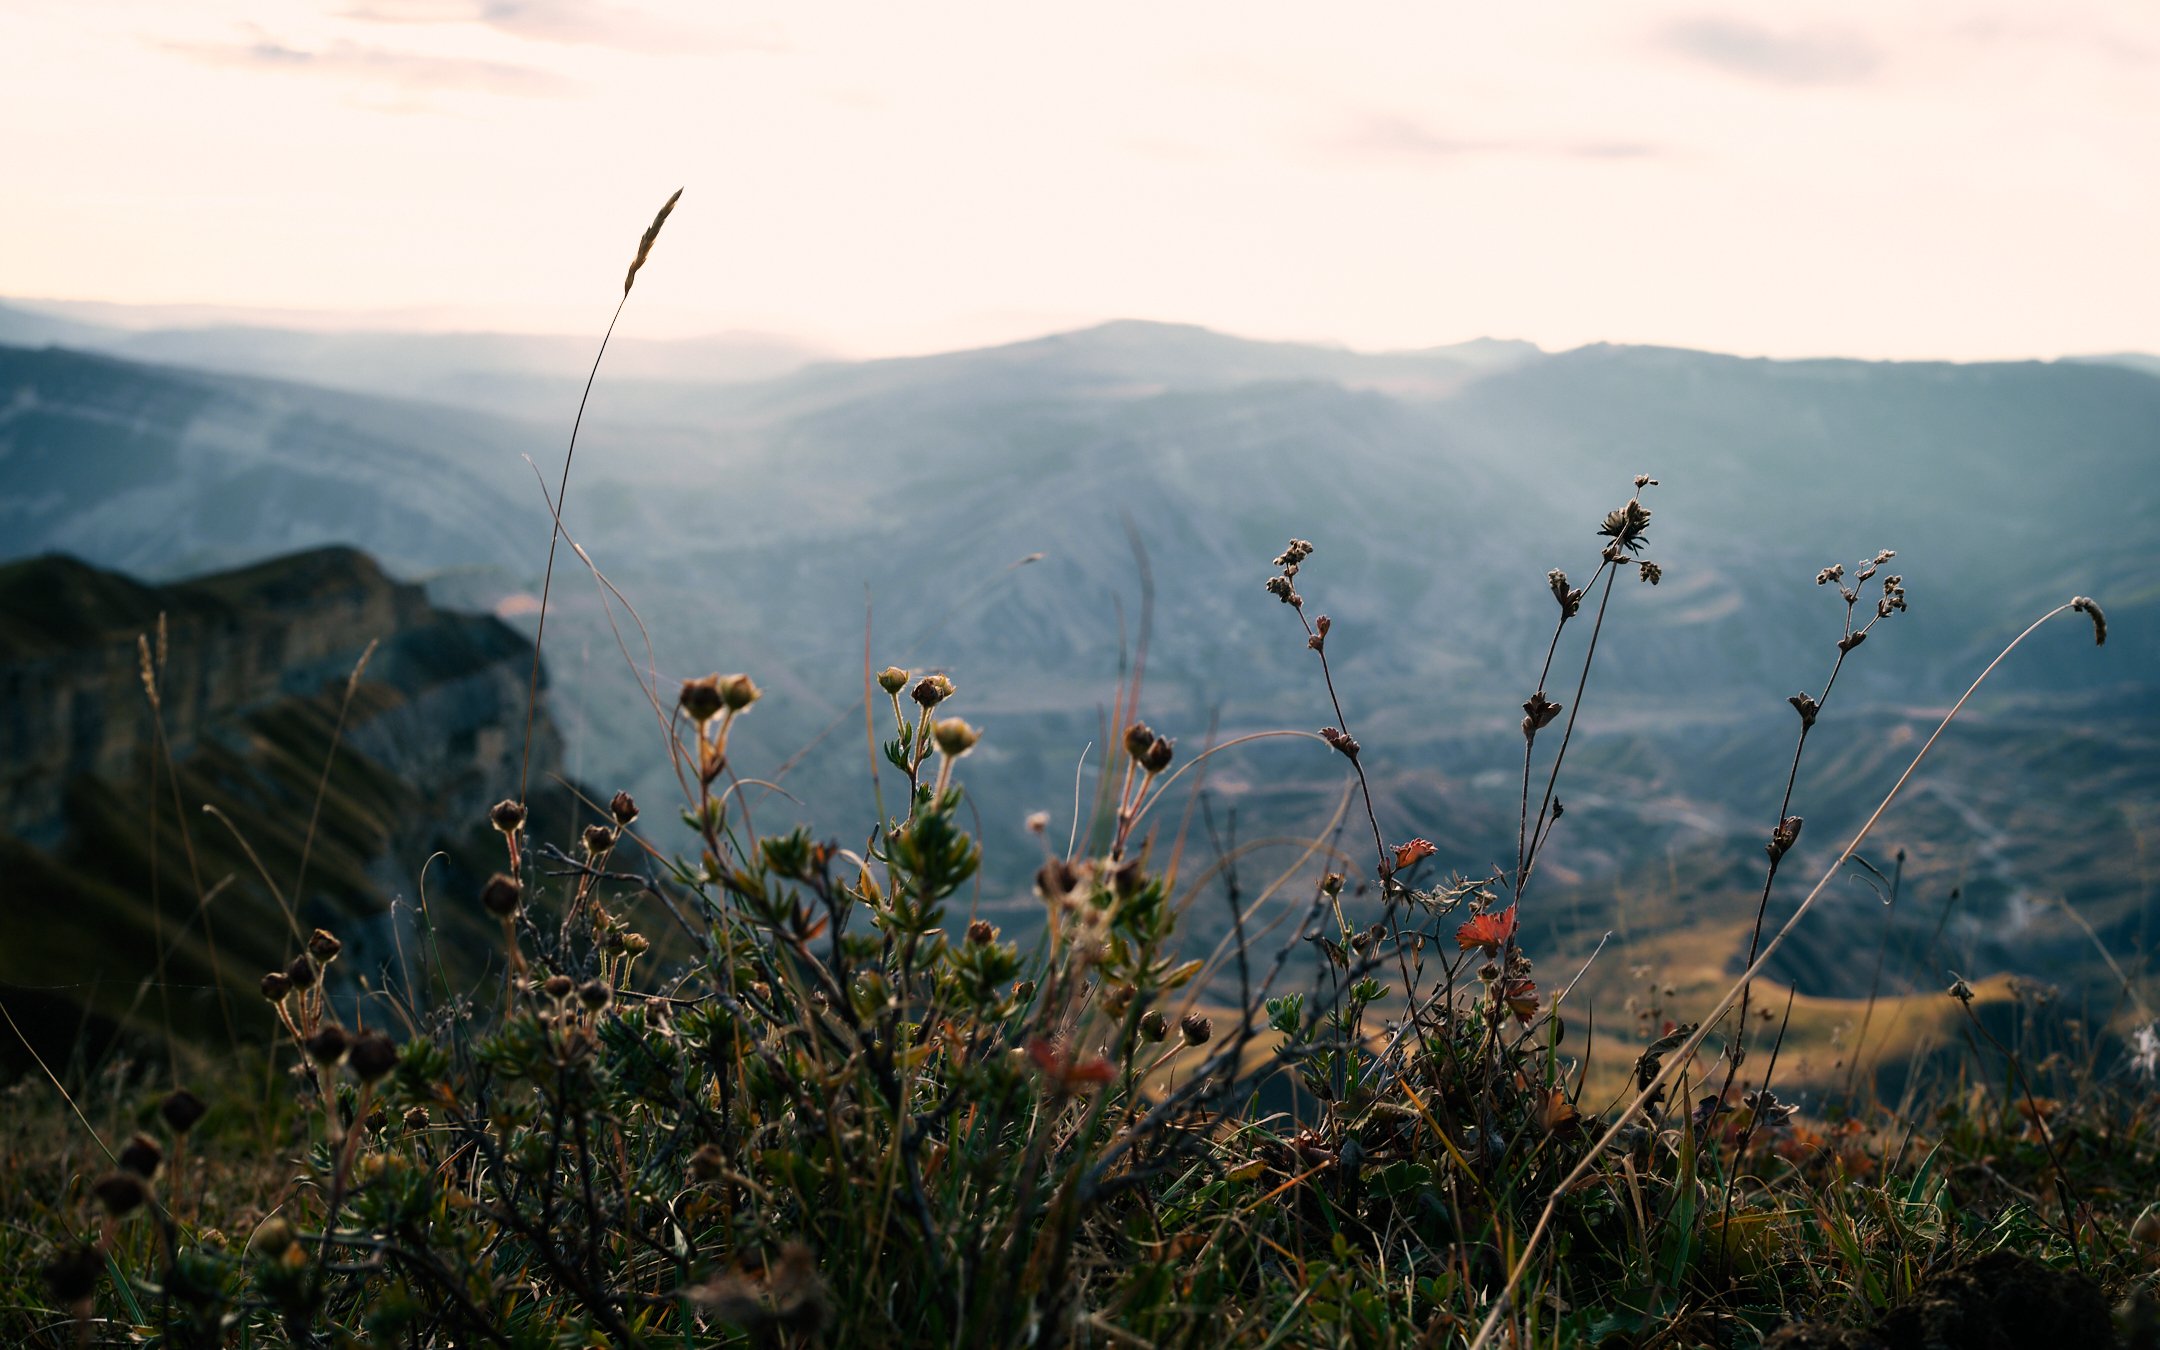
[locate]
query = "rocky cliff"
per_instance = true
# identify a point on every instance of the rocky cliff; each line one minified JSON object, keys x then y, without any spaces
{"x":153,"y":848}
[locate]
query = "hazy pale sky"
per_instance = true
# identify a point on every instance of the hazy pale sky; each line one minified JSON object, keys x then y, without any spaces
{"x":1967,"y":178}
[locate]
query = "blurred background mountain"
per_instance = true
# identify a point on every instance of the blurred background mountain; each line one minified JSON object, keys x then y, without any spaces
{"x":1016,"y":515}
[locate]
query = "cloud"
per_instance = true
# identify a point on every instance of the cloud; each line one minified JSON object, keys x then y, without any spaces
{"x":1799,"y":56}
{"x":411,"y":72}
{"x":579,"y":22}
{"x":1395,"y":137}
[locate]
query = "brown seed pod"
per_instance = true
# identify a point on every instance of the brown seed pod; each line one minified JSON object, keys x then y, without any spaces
{"x":501,"y":896}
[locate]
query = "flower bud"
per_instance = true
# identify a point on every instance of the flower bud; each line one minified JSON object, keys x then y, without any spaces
{"x":558,"y":986}
{"x":623,"y":807}
{"x":1158,"y":755}
{"x":954,"y":737}
{"x":595,"y":995}
{"x":598,"y":839}
{"x":1154,"y":1025}
{"x":1138,"y":737}
{"x":738,"y":692}
{"x":301,"y":972}
{"x":324,"y":946}
{"x":1196,"y":1028}
{"x":981,"y":933}
{"x":507,"y":816}
{"x":121,"y":1193}
{"x":276,"y":987}
{"x":892,"y":679}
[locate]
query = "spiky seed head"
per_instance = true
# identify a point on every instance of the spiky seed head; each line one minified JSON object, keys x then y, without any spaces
{"x":372,"y":1056}
{"x":507,"y":816}
{"x":181,"y":1110}
{"x":501,"y":896}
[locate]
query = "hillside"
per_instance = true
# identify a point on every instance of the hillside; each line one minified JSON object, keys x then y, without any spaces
{"x":106,"y":848}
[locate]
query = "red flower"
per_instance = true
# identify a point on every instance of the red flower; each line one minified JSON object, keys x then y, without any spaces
{"x":1489,"y":931}
{"x":1411,"y":854}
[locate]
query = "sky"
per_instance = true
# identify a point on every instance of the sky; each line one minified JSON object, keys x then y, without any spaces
{"x":1966,"y":180}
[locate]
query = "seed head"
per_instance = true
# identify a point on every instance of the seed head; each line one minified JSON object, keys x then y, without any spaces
{"x":932,"y":690}
{"x":558,"y":986}
{"x":372,"y":1055}
{"x":1196,"y":1028}
{"x":598,"y":839}
{"x":981,"y":932}
{"x":416,"y":1119}
{"x":892,"y":679}
{"x":1342,"y":740}
{"x":1154,"y":1025}
{"x":181,"y":1110}
{"x":623,"y":807}
{"x":595,"y":995}
{"x":507,"y":816}
{"x":1960,"y":990}
{"x":328,"y":1045}
{"x":1157,"y":756}
{"x":1807,"y":707}
{"x":1038,"y":822}
{"x":501,"y":896}
{"x":121,"y":1193}
{"x":301,"y":972}
{"x":276,"y":986}
{"x":324,"y":946}
{"x":1138,"y":737}
{"x":700,"y":698}
{"x":1784,"y":837}
{"x":143,"y":1156}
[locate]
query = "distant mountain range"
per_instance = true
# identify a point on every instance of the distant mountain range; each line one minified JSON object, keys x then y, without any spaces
{"x":984,"y":505}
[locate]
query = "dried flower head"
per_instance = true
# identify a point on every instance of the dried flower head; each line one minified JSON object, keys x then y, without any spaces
{"x":1807,"y":707}
{"x":1650,"y":571}
{"x":372,"y":1055}
{"x":1038,"y":822}
{"x":329,"y":1044}
{"x":301,"y":973}
{"x":932,"y":690}
{"x":507,"y":816}
{"x":1196,"y":1028}
{"x":738,"y":692}
{"x":121,"y":1193}
{"x":557,"y":986}
{"x":598,"y":839}
{"x":73,"y":1274}
{"x":1538,"y":713}
{"x":1342,"y":740}
{"x":700,"y":698}
{"x":324,"y":946}
{"x":1960,"y":990}
{"x":1834,"y":572}
{"x":276,"y":986}
{"x":1625,"y":525}
{"x":1298,"y":551}
{"x":1784,"y":837}
{"x":501,"y":896}
{"x":981,"y":932}
{"x":1157,"y":756}
{"x":181,"y":1110}
{"x":595,"y":994}
{"x":623,"y":807}
{"x":143,"y":1156}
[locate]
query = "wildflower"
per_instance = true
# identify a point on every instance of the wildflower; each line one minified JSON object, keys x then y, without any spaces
{"x":1298,"y":552}
{"x":1411,"y":854}
{"x":595,"y":994}
{"x":1280,"y":588}
{"x":1520,"y":997}
{"x":1625,"y":525}
{"x":1570,"y":600}
{"x":932,"y":690}
{"x":623,"y":807}
{"x":1650,"y":571}
{"x":1489,"y":931}
{"x":1807,"y":707}
{"x":1834,"y":572}
{"x":507,"y":816}
{"x":598,"y":839}
{"x":981,"y":932}
{"x":1538,"y":713}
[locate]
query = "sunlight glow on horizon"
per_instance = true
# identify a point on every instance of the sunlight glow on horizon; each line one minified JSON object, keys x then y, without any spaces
{"x":1922,"y":179}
